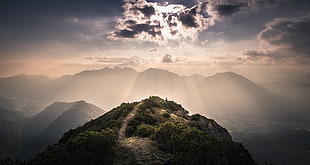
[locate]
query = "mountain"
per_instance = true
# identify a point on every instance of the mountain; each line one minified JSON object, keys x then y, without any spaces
{"x":11,"y":124}
{"x":159,"y":82}
{"x":230,"y":94}
{"x":36,"y":91}
{"x":105,"y":84}
{"x":48,"y":126}
{"x":152,"y":131}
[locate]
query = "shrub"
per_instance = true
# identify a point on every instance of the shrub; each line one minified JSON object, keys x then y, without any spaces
{"x":89,"y":147}
{"x":190,"y":145}
{"x":145,"y":130}
{"x":166,"y":115}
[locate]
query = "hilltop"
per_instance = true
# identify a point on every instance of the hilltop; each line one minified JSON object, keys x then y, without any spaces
{"x":152,"y":131}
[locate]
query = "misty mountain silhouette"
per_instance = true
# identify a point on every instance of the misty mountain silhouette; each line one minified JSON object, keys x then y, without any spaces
{"x":214,"y":95}
{"x":48,"y":126}
{"x":232,"y":94}
{"x":152,"y":131}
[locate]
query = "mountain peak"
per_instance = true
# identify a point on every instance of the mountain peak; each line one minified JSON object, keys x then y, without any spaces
{"x":118,"y":69}
{"x":158,"y":70}
{"x":104,"y":70}
{"x":81,"y":102}
{"x":159,"y":73}
{"x":232,"y":74}
{"x":151,"y":131}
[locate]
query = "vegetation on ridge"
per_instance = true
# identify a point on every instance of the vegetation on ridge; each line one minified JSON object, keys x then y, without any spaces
{"x":165,"y":125}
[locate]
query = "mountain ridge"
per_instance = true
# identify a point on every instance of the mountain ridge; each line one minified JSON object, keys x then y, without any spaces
{"x":108,"y":82}
{"x":151,"y":131}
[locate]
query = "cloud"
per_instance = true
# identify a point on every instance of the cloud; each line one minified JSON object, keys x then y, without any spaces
{"x":284,"y":40}
{"x":134,"y":60}
{"x":167,"y":58}
{"x":136,"y":29}
{"x":220,"y":9}
{"x":73,"y":20}
{"x":146,"y":10}
{"x":256,"y":53}
{"x":227,"y":10}
{"x":180,"y":59}
{"x":153,"y":50}
{"x":188,"y":17}
{"x":288,"y":33}
{"x":160,"y":24}
{"x":174,"y":23}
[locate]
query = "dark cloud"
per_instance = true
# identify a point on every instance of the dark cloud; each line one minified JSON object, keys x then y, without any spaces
{"x":284,"y":40}
{"x":150,"y":29}
{"x":188,"y":18}
{"x":289,"y":33}
{"x":126,"y":33}
{"x":135,"y":29}
{"x":146,"y":10}
{"x":228,"y":10}
{"x":153,"y":50}
{"x":187,"y":3}
{"x":167,"y":58}
{"x":131,"y":22}
{"x":256,"y":53}
{"x":225,"y":8}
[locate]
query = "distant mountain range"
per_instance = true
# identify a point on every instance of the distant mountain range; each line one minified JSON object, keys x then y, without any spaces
{"x":221,"y":94}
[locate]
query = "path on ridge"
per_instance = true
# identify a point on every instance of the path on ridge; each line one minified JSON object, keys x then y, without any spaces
{"x":122,"y":131}
{"x":139,"y":146}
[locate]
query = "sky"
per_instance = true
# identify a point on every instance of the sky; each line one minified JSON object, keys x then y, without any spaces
{"x":58,"y":37}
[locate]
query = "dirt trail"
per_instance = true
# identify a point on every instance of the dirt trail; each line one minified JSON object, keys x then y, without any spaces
{"x":141,"y":147}
{"x":122,"y":131}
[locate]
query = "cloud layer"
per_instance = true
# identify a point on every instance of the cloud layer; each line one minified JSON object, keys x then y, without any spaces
{"x":150,"y":21}
{"x":284,"y":38}
{"x":165,"y":23}
{"x":289,"y":33}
